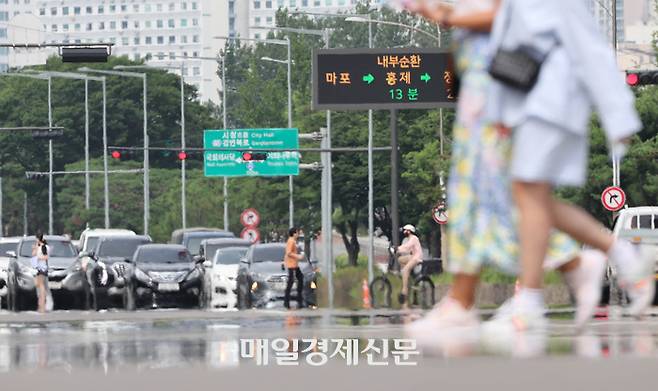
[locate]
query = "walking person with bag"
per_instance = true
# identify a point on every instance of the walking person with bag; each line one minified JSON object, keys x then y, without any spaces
{"x":551,"y":66}
{"x":483,"y":223}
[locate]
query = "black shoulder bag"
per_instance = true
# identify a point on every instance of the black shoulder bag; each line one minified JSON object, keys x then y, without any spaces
{"x":517,"y":68}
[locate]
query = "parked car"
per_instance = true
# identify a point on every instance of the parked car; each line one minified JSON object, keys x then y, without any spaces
{"x":209,"y":247}
{"x":90,"y":237}
{"x":639,"y":225}
{"x":262,"y":278}
{"x":66,"y":279}
{"x":6,"y":244}
{"x":105,"y":267}
{"x":192,"y":237}
{"x":162,"y":274}
{"x":220,"y":277}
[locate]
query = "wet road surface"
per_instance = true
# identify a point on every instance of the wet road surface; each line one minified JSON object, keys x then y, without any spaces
{"x":169,"y":349}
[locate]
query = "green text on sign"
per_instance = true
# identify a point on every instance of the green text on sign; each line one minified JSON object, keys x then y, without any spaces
{"x":227,"y":160}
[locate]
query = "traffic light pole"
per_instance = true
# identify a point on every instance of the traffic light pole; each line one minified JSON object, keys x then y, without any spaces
{"x":106,"y":179}
{"x":50,"y":159}
{"x":224,"y":118}
{"x":291,"y":206}
{"x":182,"y":144}
{"x":87,"y":187}
{"x":395,"y":176}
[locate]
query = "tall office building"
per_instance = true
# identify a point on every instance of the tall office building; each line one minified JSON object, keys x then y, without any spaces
{"x":603,"y":11}
{"x":18,"y":24}
{"x":261,"y":13}
{"x":161,"y":32}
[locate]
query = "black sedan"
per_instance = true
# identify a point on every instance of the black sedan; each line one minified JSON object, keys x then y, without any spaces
{"x":163,"y":274}
{"x":262,"y":278}
{"x":66,"y":279}
{"x":105,"y":266}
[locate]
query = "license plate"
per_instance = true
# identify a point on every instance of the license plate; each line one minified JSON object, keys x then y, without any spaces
{"x":54,"y":285}
{"x":279,"y":286}
{"x":168,"y":287}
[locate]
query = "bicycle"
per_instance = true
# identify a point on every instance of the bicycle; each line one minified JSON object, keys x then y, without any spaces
{"x":421,"y":287}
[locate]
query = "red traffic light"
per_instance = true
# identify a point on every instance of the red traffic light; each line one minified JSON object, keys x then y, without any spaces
{"x":116,"y":154}
{"x":182,"y":155}
{"x":254,"y":156}
{"x":632,"y":79}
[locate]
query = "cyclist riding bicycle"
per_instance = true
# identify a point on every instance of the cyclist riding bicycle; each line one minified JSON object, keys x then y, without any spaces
{"x":410,"y":254}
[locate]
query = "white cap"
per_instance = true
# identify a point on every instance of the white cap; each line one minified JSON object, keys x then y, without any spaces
{"x":410,"y":228}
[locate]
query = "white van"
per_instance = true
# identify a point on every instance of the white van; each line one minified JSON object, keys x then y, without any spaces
{"x":89,"y":237}
{"x":641,"y":217}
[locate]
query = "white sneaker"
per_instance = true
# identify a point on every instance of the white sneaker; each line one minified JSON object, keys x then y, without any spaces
{"x":637,"y":278}
{"x":520,"y":332}
{"x":448,"y":329}
{"x":586,"y":285}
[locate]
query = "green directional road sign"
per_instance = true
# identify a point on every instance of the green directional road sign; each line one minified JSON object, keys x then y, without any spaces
{"x":228,"y":152}
{"x":401,"y":78}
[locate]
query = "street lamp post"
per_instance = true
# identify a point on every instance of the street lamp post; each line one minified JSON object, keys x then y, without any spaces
{"x":86,"y":79}
{"x":147,"y":210}
{"x":182,"y":124}
{"x":288,"y":62}
{"x":291,"y":204}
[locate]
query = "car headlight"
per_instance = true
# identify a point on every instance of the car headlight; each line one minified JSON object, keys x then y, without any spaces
{"x":254,"y":286}
{"x":141,"y":276}
{"x":313,"y":286}
{"x":257,"y":277}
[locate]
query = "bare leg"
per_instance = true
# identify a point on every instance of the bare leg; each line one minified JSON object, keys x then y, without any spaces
{"x":534,"y":202}
{"x":406,"y":271}
{"x":463,"y":289}
{"x":570,"y":266}
{"x":581,"y":226}
{"x":41,"y":293}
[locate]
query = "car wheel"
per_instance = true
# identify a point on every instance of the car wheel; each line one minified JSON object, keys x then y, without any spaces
{"x":129,"y":303}
{"x":15,"y":302}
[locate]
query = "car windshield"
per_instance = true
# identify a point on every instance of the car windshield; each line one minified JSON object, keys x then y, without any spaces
{"x":194,"y":243}
{"x":58,"y":248}
{"x":163,"y":255}
{"x":265,"y":254}
{"x":91,"y":243}
{"x":4,"y":247}
{"x":211,"y":249}
{"x":230,"y":256}
{"x":120,"y":248}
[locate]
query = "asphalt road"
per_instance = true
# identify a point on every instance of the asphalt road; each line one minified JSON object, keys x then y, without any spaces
{"x":174,"y":350}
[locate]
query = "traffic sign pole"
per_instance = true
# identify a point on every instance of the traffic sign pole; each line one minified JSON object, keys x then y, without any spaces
{"x":395,"y":176}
